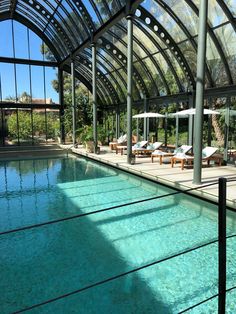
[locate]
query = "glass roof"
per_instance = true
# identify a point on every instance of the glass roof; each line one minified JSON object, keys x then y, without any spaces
{"x":165,"y":41}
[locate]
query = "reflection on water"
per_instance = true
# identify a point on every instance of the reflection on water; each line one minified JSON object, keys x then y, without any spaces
{"x":55,"y":259}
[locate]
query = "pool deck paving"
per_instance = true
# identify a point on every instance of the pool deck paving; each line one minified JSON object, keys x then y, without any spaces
{"x":172,"y":177}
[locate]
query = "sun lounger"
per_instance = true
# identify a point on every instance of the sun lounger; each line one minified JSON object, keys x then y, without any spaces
{"x":184,"y":149}
{"x":145,"y":148}
{"x":208,"y":154}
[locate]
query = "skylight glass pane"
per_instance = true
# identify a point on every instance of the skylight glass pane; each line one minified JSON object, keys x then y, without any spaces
{"x":164,"y":19}
{"x":215,"y":64}
{"x":178,"y":70}
{"x":232,"y":6}
{"x":215,"y":13}
{"x":184,"y":12}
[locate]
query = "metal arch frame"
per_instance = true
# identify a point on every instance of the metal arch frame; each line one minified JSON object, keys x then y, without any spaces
{"x":159,"y":70}
{"x":113,"y":78}
{"x":100,"y":92}
{"x":115,"y":56}
{"x":104,"y":78}
{"x":115,"y":70}
{"x":166,"y":58}
{"x":89,"y":21}
{"x":216,"y":42}
{"x":19,"y":18}
{"x":171,"y":44}
{"x":186,"y":32}
{"x":106,"y":97}
{"x":55,"y":11}
{"x":67,"y":42}
{"x":81,"y":78}
{"x":121,"y":66}
{"x":98,"y":33}
{"x":13,"y":8}
{"x":103,"y":81}
{"x":56,"y":38}
{"x":228,"y":13}
{"x":136,"y":73}
{"x":88,"y":54}
{"x":65,"y":22}
{"x":102,"y":96}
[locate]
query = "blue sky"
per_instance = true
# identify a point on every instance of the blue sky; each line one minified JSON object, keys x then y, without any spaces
{"x":22,"y":71}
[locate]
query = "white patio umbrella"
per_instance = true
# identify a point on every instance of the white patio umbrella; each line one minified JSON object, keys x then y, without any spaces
{"x":147,"y":115}
{"x":189,"y":112}
{"x":192,"y":111}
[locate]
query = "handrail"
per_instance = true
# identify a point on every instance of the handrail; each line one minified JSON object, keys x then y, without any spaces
{"x":221,"y":244}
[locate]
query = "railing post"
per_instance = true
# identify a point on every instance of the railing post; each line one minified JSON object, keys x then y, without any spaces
{"x":222,"y":246}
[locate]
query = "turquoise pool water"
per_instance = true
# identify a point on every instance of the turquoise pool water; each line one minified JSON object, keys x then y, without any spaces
{"x":46,"y":262}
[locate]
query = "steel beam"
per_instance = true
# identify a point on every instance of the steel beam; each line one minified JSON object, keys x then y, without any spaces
{"x":73,"y":100}
{"x":198,"y":119}
{"x":28,"y":62}
{"x":129,"y":85}
{"x":106,"y":26}
{"x":94,"y":83}
{"x":62,"y":107}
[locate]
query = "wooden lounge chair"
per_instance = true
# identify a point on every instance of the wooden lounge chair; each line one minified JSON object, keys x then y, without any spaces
{"x":184,"y":149}
{"x":208,"y":154}
{"x":145,"y":148}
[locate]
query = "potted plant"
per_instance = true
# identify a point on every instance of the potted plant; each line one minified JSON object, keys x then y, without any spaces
{"x":85,"y":136}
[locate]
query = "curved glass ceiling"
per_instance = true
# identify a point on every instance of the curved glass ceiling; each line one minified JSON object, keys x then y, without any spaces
{"x":165,"y":42}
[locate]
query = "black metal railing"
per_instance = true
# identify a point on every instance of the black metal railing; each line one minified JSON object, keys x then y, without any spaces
{"x":221,"y":248}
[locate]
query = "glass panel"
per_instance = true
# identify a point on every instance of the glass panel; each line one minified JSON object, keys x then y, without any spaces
{"x":190,"y":55}
{"x":39,"y":123}
{"x":35,"y":46}
{"x":231,"y":6}
{"x":149,"y":83}
{"x":23,"y":82}
{"x":6,"y":46}
{"x":178,"y":70}
{"x":25,"y":126}
{"x":37,"y":84}
{"x":185,"y":14}
{"x":93,"y":14}
{"x":145,"y":40}
{"x":119,"y":85}
{"x":156,"y":76}
{"x":7,"y":81}
{"x":103,"y":9}
{"x":167,"y":73}
{"x":215,"y":13}
{"x":20,"y":40}
{"x":51,"y":78}
{"x":164,"y":19}
{"x":154,"y":36}
{"x":215,"y":64}
{"x":227,"y":37}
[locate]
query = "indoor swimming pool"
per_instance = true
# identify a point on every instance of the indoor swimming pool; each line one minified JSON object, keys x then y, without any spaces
{"x":70,"y":261}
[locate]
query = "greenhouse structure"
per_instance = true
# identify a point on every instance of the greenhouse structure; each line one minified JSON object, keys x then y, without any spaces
{"x":77,"y":70}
